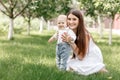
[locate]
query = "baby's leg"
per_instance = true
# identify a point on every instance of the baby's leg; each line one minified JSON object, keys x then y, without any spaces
{"x":65,"y":51}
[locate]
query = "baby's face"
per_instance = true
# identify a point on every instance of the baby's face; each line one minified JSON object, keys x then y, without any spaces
{"x":61,"y":23}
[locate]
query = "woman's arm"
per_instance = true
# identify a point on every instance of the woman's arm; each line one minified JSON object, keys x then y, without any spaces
{"x":76,"y":49}
{"x":67,"y":38}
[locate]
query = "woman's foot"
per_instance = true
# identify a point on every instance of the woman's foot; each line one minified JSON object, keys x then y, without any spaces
{"x":70,"y":69}
{"x":103,"y":70}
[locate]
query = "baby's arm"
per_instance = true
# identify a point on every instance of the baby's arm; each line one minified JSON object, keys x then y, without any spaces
{"x":53,"y":38}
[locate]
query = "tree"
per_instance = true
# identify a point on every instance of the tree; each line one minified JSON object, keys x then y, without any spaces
{"x":12,"y":9}
{"x":28,"y":15}
{"x":51,"y":8}
{"x":111,"y":7}
{"x":102,"y":8}
{"x":48,"y":9}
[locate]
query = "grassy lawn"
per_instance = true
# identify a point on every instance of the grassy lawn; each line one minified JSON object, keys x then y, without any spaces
{"x":32,"y":58}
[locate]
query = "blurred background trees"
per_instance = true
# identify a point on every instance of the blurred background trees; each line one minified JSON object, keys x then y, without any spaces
{"x":45,"y":12}
{"x":12,"y":9}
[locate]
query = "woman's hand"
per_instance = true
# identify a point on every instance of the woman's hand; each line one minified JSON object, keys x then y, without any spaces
{"x":66,"y":38}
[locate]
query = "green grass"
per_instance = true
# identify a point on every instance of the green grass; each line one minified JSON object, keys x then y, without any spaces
{"x":32,"y":58}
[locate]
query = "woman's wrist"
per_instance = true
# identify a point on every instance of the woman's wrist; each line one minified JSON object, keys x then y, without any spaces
{"x":71,"y":41}
{"x":73,"y":45}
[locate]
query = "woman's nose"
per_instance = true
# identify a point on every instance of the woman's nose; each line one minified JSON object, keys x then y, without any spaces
{"x":70,"y":21}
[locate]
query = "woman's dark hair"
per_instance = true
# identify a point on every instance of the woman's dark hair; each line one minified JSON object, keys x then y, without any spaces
{"x":80,"y":34}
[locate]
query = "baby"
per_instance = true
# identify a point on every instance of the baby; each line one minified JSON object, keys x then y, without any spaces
{"x":63,"y":49}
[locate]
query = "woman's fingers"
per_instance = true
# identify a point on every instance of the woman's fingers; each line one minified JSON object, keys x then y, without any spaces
{"x":64,"y":37}
{"x":68,"y":39}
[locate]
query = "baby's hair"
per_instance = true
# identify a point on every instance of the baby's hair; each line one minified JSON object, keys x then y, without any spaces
{"x":62,"y":16}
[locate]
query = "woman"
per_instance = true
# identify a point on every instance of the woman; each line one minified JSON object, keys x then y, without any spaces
{"x":87,"y":57}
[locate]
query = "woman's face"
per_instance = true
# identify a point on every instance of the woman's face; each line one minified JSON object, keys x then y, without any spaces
{"x":72,"y":22}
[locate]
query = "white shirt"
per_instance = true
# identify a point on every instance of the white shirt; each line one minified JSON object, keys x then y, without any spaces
{"x":59,"y":33}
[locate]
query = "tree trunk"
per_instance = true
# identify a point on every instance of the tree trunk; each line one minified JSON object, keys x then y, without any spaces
{"x":28,"y":28}
{"x":100,"y":27}
{"x":41,"y":24}
{"x":48,"y":25}
{"x":10,"y":31}
{"x":110,"y":32}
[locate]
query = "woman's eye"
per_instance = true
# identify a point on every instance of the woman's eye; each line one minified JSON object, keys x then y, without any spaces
{"x":69,"y":19}
{"x":74,"y":19}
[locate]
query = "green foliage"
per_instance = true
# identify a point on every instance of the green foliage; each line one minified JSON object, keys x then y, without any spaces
{"x":13,"y":8}
{"x":50,"y":8}
{"x":102,"y":7}
{"x":62,"y":6}
{"x":112,"y":7}
{"x":88,"y":6}
{"x":32,"y":58}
